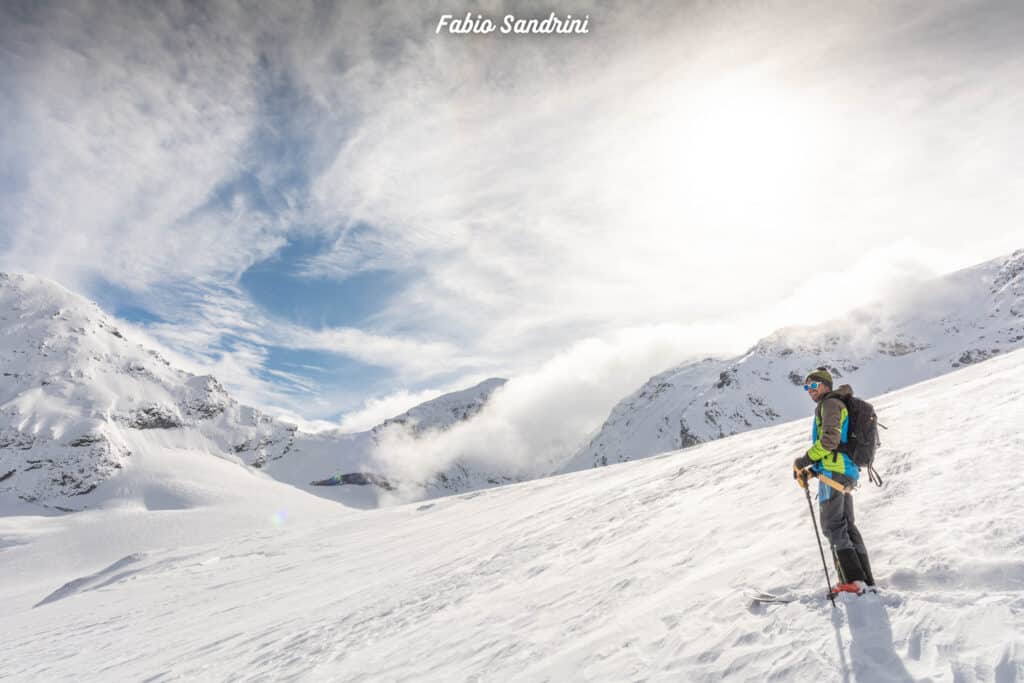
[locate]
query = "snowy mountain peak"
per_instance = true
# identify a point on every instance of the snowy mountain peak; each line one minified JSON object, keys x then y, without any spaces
{"x":444,"y":411}
{"x":81,"y":405}
{"x":939,"y":326}
{"x":77,"y":388}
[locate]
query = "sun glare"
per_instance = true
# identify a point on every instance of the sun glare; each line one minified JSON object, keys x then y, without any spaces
{"x":741,"y":145}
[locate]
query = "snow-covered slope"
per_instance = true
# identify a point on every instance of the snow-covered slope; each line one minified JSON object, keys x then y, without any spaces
{"x":945,"y":324}
{"x":81,"y":405}
{"x":624,"y":573}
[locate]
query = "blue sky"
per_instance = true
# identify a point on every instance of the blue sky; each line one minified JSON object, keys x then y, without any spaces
{"x":340,"y":213}
{"x":318,"y":301}
{"x":312,"y":303}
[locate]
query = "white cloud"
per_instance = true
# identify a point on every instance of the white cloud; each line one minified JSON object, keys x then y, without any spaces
{"x":541,"y":417}
{"x":218,"y":330}
{"x":411,"y":358}
{"x":677,"y":166}
{"x":375,"y":410}
{"x":135,"y":116}
{"x":683,"y":177}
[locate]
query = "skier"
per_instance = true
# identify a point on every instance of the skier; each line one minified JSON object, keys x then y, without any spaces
{"x":837,"y":476}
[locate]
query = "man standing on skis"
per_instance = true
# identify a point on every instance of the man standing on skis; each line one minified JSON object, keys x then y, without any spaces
{"x":837,"y":475}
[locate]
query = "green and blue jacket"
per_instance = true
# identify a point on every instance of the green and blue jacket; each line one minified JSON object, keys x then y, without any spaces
{"x":829,"y":436}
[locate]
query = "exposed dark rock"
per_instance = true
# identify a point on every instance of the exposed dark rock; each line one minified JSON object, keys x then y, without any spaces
{"x":1010,"y":270}
{"x":204,"y":410}
{"x":897,"y":347}
{"x":355,"y":479}
{"x":761,"y":409}
{"x":262,"y":448}
{"x":211,"y":401}
{"x":13,"y":438}
{"x":972,"y":356}
{"x":658,"y":390}
{"x":86,"y":440}
{"x":686,"y":437}
{"x":725,"y":379}
{"x":154,"y":417}
{"x":711,"y":414}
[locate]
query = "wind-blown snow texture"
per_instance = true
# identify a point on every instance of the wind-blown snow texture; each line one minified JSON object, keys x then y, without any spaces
{"x":625,"y":573}
{"x":85,"y":414}
{"x":943,"y":325}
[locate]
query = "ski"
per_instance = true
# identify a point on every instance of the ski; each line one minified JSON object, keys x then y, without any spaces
{"x":766,"y":598}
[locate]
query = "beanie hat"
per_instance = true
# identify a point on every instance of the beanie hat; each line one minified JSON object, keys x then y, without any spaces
{"x":821,"y":375}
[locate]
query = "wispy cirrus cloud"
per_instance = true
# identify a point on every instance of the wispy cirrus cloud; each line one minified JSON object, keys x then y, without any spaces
{"x":678,"y":165}
{"x":583,"y":192}
{"x":133,"y":118}
{"x":412,"y":357}
{"x":210,"y":329}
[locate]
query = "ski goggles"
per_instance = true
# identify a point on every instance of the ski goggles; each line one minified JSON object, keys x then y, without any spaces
{"x":812,"y":385}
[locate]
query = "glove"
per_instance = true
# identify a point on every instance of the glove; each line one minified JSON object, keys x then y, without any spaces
{"x":801,"y":471}
{"x":801,"y":476}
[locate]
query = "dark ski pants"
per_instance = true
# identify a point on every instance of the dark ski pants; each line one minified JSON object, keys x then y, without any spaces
{"x":837,"y":523}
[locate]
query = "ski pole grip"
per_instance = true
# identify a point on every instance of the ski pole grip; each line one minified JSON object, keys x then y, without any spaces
{"x":801,"y":476}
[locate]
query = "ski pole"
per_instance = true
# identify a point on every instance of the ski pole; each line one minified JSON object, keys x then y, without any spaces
{"x":828,"y":579}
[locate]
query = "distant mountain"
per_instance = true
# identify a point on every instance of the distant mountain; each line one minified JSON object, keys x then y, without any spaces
{"x":942,"y":325}
{"x":78,"y":400}
{"x":359,"y":467}
{"x":440,"y":414}
{"x":445,"y":411}
{"x":88,"y":417}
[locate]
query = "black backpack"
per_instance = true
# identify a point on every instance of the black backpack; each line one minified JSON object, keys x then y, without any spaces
{"x":862,"y":435}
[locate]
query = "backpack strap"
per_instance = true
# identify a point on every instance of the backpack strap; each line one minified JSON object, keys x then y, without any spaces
{"x":873,"y":476}
{"x":834,"y":484}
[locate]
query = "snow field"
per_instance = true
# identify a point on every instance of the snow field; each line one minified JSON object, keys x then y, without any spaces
{"x":631,"y":572}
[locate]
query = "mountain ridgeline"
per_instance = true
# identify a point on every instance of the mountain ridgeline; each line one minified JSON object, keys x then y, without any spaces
{"x":81,"y":405}
{"x":78,"y":399}
{"x":935,"y":328}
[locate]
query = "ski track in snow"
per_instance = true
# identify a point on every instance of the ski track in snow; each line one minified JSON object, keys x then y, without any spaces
{"x":633,"y":572}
